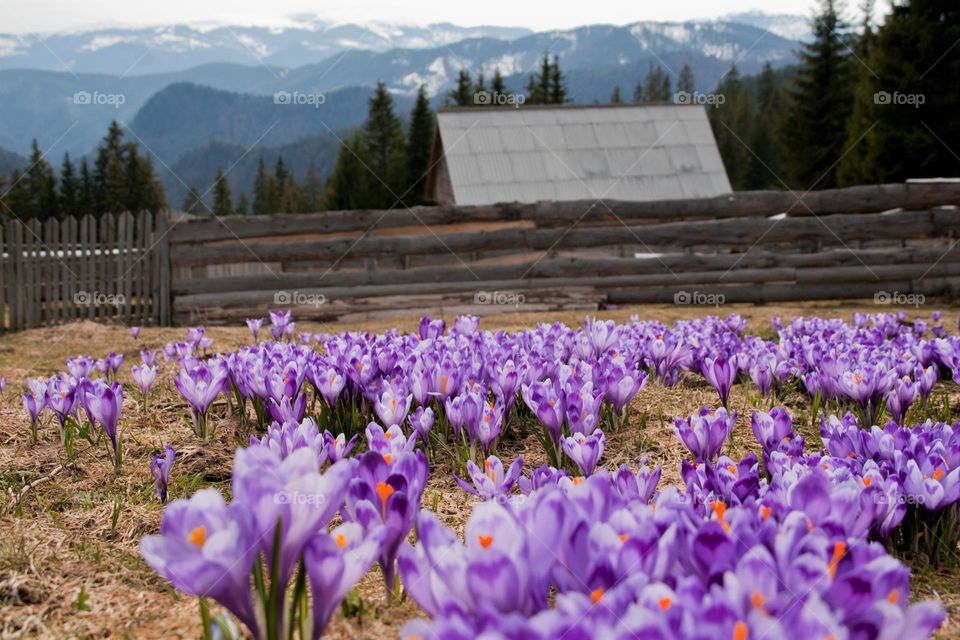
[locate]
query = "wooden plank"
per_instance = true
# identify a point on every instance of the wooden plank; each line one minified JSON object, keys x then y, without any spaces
{"x":138,"y":273}
{"x":567,"y":266}
{"x":34,"y":246}
{"x":729,"y":232}
{"x":192,"y":229}
{"x":70,"y":240}
{"x":85,"y":241}
{"x":163,"y":302}
{"x":860,"y":199}
{"x":124,"y":263}
{"x":105,"y":246}
{"x":15,"y":232}
{"x":52,"y":272}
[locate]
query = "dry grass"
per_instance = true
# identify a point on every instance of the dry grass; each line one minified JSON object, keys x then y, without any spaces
{"x":57,"y":541}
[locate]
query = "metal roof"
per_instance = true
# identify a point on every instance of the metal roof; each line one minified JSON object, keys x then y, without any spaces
{"x":580,"y":152}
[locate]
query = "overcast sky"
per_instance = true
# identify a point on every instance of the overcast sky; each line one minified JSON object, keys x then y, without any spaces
{"x":30,"y":16}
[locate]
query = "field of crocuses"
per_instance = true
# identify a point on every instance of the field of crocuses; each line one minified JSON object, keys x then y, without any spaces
{"x":706,"y":477}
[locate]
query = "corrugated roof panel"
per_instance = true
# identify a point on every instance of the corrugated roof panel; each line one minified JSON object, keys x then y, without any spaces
{"x":684,"y":160}
{"x":547,"y":136}
{"x":698,"y":131}
{"x":484,"y":140}
{"x":670,"y":132}
{"x":710,"y":160}
{"x":580,"y":136}
{"x":632,"y":152}
{"x":611,"y":135}
{"x":528,"y":167}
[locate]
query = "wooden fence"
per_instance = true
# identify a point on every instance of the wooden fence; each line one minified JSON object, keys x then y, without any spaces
{"x":109,"y":268}
{"x":857,"y":242}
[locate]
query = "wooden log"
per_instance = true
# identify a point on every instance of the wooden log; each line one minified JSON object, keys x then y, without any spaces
{"x":744,"y":232}
{"x":860,"y":199}
{"x":193,"y":229}
{"x":757,"y":293}
{"x":568,"y":266}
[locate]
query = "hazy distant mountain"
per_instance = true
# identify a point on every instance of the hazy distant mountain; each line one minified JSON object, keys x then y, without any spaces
{"x":8,"y":162}
{"x":126,"y":52}
{"x":72,"y":110}
{"x":786,"y":26}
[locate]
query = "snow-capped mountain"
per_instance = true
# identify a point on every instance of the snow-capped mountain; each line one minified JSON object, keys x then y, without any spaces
{"x":787,"y":26}
{"x":164,"y":49}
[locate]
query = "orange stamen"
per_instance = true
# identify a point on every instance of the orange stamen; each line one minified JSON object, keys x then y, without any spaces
{"x":198,"y":536}
{"x":765,"y":512}
{"x":597,"y":594}
{"x":839,"y":550}
{"x":485,"y":541}
{"x":384,"y":491}
{"x":341,"y":540}
{"x":740,"y":630}
{"x":893,"y":597}
{"x":665,"y":603}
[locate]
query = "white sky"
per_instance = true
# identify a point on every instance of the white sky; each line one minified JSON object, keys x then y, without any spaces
{"x":44,"y":16}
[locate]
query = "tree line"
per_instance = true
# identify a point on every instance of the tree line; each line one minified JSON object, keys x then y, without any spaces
{"x":120,"y":179}
{"x":863,"y":104}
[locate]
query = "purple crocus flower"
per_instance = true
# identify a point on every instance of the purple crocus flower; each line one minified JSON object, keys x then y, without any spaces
{"x":199,"y":386}
{"x":392,"y":405}
{"x":900,"y":397}
{"x":704,"y":433}
{"x":329,"y":382}
{"x":291,"y":492}
{"x":771,"y":428}
{"x":431,"y":329}
{"x":81,"y":366}
{"x":585,"y":451}
{"x":144,"y":377}
{"x":280,"y":325}
{"x":255,"y":324}
{"x":622,"y":388}
{"x":422,"y":422}
{"x":160,"y":466}
{"x":33,"y":409}
{"x":637,"y":484}
{"x":491,"y":482}
{"x":721,"y":373}
{"x":135,"y":332}
{"x":338,"y":448}
{"x":104,"y":403}
{"x":60,"y":396}
{"x":546,"y":402}
{"x":487,"y":429}
{"x":335,"y":562}
{"x":206,"y":549}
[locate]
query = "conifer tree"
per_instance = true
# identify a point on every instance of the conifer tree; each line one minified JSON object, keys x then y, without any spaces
{"x":346,"y":185}
{"x":558,"y":89}
{"x":222,"y":201}
{"x":685,"y":81}
{"x":819,"y":104}
{"x":615,"y":97}
{"x":261,"y":189}
{"x":193,"y":202}
{"x":497,"y":85}
{"x":312,"y":190}
{"x":243,"y":207}
{"x":69,"y":188}
{"x":384,"y":151}
{"x":462,"y":94}
{"x":419,"y":147}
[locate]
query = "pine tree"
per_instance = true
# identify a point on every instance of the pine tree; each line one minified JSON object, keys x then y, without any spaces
{"x":69,"y":188}
{"x":819,"y":104}
{"x":419,"y":147}
{"x":291,"y":196}
{"x":243,"y":207}
{"x":262,"y":196}
{"x":384,"y":151}
{"x":497,"y":85}
{"x":854,"y":166}
{"x":462,"y":95}
{"x":110,"y":176}
{"x":16,"y":198}
{"x":685,"y":81}
{"x":615,"y":97}
{"x":346,"y":185}
{"x":42,"y":186}
{"x":312,"y":190}
{"x":731,"y":122}
{"x":916,"y":58}
{"x":558,"y":89}
{"x":222,"y":202}
{"x":655,"y":87}
{"x":765,"y":162}
{"x":86,"y":197}
{"x":543,"y":80}
{"x":193,"y":202}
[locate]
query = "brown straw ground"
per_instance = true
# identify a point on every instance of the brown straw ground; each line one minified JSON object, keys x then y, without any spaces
{"x":67,"y":570}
